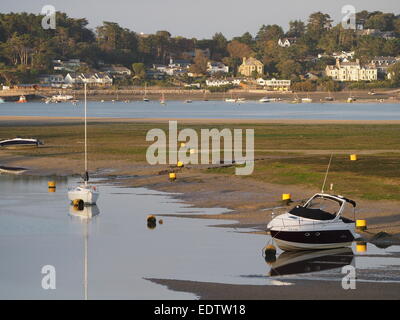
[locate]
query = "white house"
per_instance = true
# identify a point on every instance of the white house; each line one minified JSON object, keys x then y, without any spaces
{"x":352,"y":71}
{"x":89,"y":78}
{"x":55,"y":80}
{"x":383,"y":63}
{"x":277,"y":85}
{"x":214,"y":67}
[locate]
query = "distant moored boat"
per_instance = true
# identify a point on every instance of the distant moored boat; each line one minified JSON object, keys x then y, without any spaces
{"x":22,"y":99}
{"x":20,"y":142}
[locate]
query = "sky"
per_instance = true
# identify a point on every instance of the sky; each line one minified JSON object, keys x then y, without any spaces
{"x":197,"y":18}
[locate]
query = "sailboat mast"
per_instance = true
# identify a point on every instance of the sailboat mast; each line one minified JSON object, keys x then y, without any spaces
{"x":85,"y":262}
{"x":86,"y":167}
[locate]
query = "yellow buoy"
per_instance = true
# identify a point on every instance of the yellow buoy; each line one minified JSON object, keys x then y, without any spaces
{"x":51,"y":184}
{"x":52,"y":189}
{"x":183,"y":144}
{"x":361,"y":225}
{"x":286,"y":196}
{"x":361,"y":246}
{"x":78,"y":204}
{"x":353,"y":157}
{"x":193,"y":151}
{"x":179,"y":164}
{"x":172,"y":176}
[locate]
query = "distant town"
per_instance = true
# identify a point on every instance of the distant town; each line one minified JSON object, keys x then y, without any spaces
{"x":313,"y":55}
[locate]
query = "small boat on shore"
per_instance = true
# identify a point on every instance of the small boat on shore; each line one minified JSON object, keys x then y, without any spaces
{"x":12,"y":170}
{"x":318,"y":224}
{"x":264,"y":100}
{"x":20,"y":142}
{"x":162,"y":99}
{"x":306,"y":100}
{"x":2,"y":100}
{"x":230,"y":100}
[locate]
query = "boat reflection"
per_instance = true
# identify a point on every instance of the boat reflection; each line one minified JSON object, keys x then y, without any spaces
{"x":87,"y":212}
{"x":297,"y":262}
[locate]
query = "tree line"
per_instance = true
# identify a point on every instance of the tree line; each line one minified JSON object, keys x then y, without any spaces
{"x":26,"y":49}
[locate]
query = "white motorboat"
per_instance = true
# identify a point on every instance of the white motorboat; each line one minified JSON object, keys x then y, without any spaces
{"x":230,"y":100}
{"x":306,"y":100}
{"x":318,"y":224}
{"x":84,"y":192}
{"x":2,"y":100}
{"x":264,"y":100}
{"x":20,"y":142}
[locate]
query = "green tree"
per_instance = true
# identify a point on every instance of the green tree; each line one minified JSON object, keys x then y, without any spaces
{"x":270,"y":32}
{"x":394,"y":74}
{"x":200,"y":63}
{"x":139,"y":71}
{"x":297,"y":29}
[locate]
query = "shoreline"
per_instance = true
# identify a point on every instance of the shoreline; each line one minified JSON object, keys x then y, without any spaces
{"x":181,"y":94}
{"x":58,"y":120}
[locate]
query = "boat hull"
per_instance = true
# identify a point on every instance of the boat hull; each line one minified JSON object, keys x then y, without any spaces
{"x":312,"y":240}
{"x":88,"y":196}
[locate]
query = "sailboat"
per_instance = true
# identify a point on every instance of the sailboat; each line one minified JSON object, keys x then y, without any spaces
{"x":145,"y":99}
{"x":162,"y":100}
{"x":84,"y":192}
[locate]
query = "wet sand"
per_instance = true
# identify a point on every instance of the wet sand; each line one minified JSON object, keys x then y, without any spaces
{"x":250,"y":202}
{"x":300,"y":290}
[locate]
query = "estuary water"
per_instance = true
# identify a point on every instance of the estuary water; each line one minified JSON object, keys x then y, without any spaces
{"x":39,"y":228}
{"x":208,"y":110}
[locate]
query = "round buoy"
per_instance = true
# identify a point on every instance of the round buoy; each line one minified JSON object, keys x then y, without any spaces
{"x":172,"y":176}
{"x":361,"y":225}
{"x":183,"y":144}
{"x":151,"y":222}
{"x":179,"y":164}
{"x":270,"y":253}
{"x":161,"y":221}
{"x":78,"y":204}
{"x":353,"y":157}
{"x":51,"y":184}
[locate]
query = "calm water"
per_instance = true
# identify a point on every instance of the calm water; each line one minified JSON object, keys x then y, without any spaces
{"x":37,"y":229}
{"x":208,"y":110}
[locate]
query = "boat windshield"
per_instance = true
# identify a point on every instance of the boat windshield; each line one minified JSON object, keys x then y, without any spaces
{"x":319,"y":208}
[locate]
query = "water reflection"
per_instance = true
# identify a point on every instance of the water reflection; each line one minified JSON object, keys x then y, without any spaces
{"x":85,"y":214}
{"x":297,"y":262}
